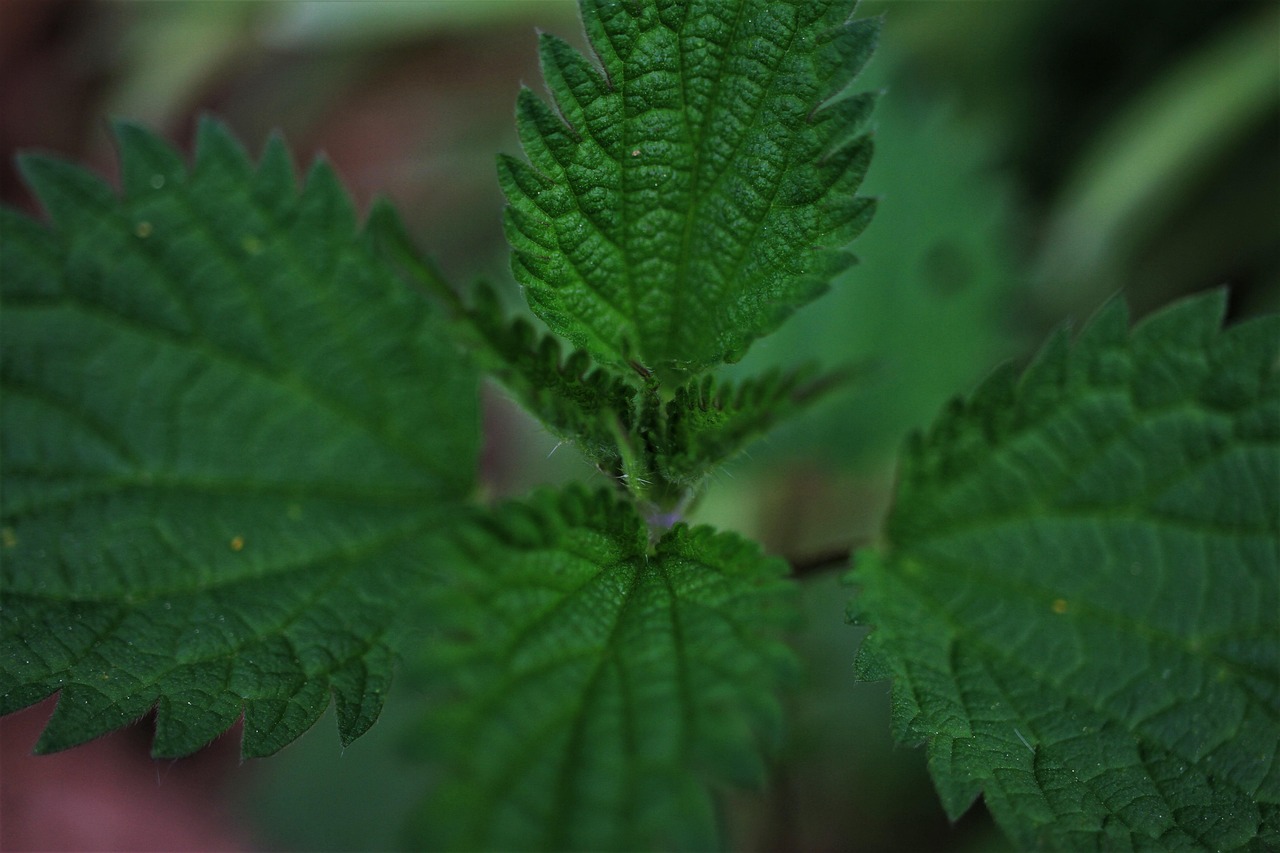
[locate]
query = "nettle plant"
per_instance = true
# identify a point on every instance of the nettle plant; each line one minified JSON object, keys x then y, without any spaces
{"x":240,"y":440}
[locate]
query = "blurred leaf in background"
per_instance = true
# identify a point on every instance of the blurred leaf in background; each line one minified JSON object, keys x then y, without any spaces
{"x":1157,"y":161}
{"x":1144,"y":137}
{"x":928,"y":307}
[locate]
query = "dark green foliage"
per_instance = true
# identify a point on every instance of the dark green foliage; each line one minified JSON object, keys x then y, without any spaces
{"x":238,"y":475}
{"x":709,"y":422}
{"x":601,"y":680}
{"x":1079,"y":603}
{"x":688,"y":195}
{"x":230,"y":435}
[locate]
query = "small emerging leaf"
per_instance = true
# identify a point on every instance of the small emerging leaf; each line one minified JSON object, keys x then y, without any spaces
{"x":231,"y":438}
{"x":709,"y":422}
{"x":585,"y":405}
{"x":1079,"y":604}
{"x":601,"y":685}
{"x":684,"y":198}
{"x":581,"y":403}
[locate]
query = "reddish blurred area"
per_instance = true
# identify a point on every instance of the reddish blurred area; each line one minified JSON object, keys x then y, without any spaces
{"x":47,"y":83}
{"x":111,"y":795}
{"x":415,"y":115}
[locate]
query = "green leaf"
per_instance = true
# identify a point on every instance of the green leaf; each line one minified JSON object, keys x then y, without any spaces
{"x":600,"y":683}
{"x":684,"y":198}
{"x":1079,"y":602}
{"x":231,"y":437}
{"x":709,"y":421}
{"x":660,"y":449}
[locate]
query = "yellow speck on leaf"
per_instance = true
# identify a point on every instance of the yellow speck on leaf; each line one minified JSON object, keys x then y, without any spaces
{"x":237,"y":543}
{"x":8,"y":537}
{"x":143,"y":229}
{"x":252,"y":245}
{"x":1059,"y":605}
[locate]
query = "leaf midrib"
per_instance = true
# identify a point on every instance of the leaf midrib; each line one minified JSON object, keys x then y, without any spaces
{"x":558,"y":830}
{"x":756,"y":227}
{"x":292,"y":384}
{"x":1068,"y":410}
{"x":961,"y":632}
{"x":1005,"y":457}
{"x":90,"y":485}
{"x":696,"y":198}
{"x":352,"y":553}
{"x":1020,"y":589}
{"x":1090,"y":782}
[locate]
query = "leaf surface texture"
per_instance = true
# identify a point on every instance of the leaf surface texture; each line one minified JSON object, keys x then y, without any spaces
{"x":600,"y":685}
{"x":230,"y":437}
{"x":686,"y":195}
{"x":1079,"y":602}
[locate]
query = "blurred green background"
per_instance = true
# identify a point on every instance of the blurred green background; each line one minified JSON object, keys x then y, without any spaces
{"x":1033,"y":159}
